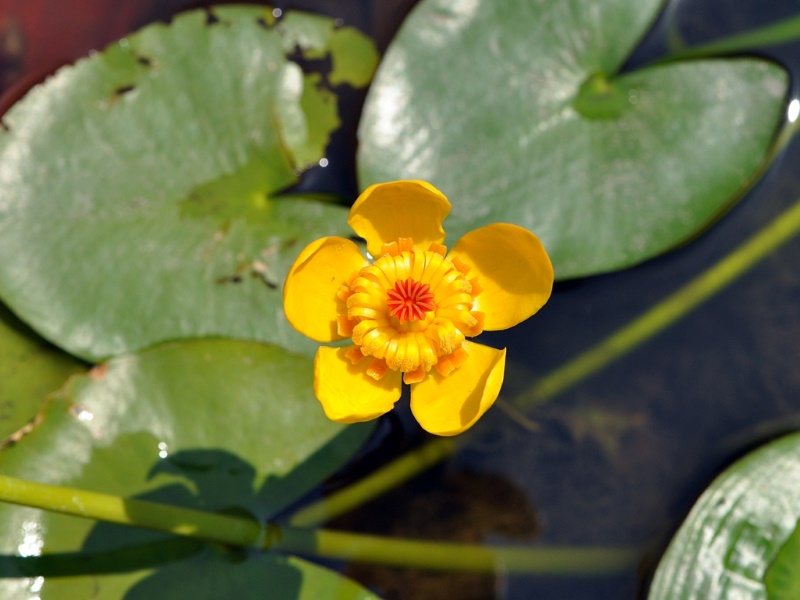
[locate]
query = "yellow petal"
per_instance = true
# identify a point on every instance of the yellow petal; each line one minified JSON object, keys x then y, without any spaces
{"x":309,"y":294}
{"x":452,"y":404}
{"x":347,"y":393}
{"x":513,"y":270}
{"x":385,"y":212}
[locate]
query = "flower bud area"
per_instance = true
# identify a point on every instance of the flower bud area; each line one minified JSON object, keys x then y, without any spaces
{"x":410,"y":311}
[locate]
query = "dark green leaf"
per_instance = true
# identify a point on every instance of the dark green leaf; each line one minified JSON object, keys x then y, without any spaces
{"x":212,"y":577}
{"x":514,"y":110}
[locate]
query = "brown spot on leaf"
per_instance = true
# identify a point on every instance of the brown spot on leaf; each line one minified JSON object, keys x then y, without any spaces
{"x":145,"y":61}
{"x":98,"y":372}
{"x":211,"y":18}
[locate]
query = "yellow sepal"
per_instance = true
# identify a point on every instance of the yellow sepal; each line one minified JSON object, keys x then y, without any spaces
{"x":452,"y":404}
{"x":385,"y":212}
{"x":346,"y":392}
{"x":513,"y":270}
{"x":309,"y":294}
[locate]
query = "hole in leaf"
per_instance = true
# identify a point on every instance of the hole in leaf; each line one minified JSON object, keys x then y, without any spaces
{"x":144,"y":61}
{"x":122,"y":90}
{"x":211,"y":18}
{"x":228,"y":279}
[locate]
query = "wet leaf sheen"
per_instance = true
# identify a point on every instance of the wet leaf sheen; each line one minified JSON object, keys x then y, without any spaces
{"x":512,"y":109}
{"x":142,"y":187}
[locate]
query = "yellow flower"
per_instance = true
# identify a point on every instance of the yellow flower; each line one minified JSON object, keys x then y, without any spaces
{"x":409,"y":312}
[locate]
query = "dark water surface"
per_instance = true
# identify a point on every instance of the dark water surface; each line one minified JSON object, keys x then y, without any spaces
{"x":621,"y":457}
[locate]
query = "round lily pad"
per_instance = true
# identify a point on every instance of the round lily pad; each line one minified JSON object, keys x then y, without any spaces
{"x":144,"y":187}
{"x":516,"y":111}
{"x":207,"y":424}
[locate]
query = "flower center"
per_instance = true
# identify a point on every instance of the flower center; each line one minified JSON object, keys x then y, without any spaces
{"x":409,"y":300}
{"x":410,"y":311}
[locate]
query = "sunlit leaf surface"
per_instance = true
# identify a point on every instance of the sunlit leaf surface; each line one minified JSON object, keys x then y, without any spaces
{"x":783,"y":574}
{"x":210,"y":424}
{"x":736,"y":530}
{"x":512,"y":109}
{"x":141,"y":187}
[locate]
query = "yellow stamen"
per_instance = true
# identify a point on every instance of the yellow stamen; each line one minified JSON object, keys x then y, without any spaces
{"x":390,"y":249}
{"x":344,"y":326}
{"x":376,"y":369}
{"x":438,"y":248}
{"x":354,"y":354}
{"x":414,"y":376}
{"x":460,"y":265}
{"x":410,"y":310}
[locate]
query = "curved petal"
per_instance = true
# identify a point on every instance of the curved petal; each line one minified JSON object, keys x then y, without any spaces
{"x":513,"y":271}
{"x":347,"y":393}
{"x":309,"y":294}
{"x":385,"y":212}
{"x":452,"y":404}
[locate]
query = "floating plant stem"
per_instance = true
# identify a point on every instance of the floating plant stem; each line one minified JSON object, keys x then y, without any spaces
{"x":315,"y":542}
{"x":381,"y":481}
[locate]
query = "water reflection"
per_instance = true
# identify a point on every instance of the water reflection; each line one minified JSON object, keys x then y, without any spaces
{"x":32,"y":534}
{"x":793,"y":111}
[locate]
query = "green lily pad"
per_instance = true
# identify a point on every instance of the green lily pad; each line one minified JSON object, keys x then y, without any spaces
{"x":208,"y":424}
{"x":212,"y":578}
{"x":353,"y":56}
{"x":514,"y":110}
{"x":736,"y":530}
{"x":143,"y":186}
{"x":30,"y":368}
{"x":783,"y":575}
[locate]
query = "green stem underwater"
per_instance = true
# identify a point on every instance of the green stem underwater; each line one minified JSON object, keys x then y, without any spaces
{"x":381,"y":481}
{"x":667,"y":312}
{"x":781,"y":32}
{"x":320,"y":542}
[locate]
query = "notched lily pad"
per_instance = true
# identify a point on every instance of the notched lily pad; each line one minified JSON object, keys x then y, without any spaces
{"x":735,"y":531}
{"x":514,"y":111}
{"x":353,"y":56}
{"x":152,"y":175}
{"x":208,"y":424}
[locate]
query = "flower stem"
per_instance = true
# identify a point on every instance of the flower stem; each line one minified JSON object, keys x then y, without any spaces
{"x":782,"y":229}
{"x":129,"y":511}
{"x":321,"y":542}
{"x":457,"y":557}
{"x":384,"y":479}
